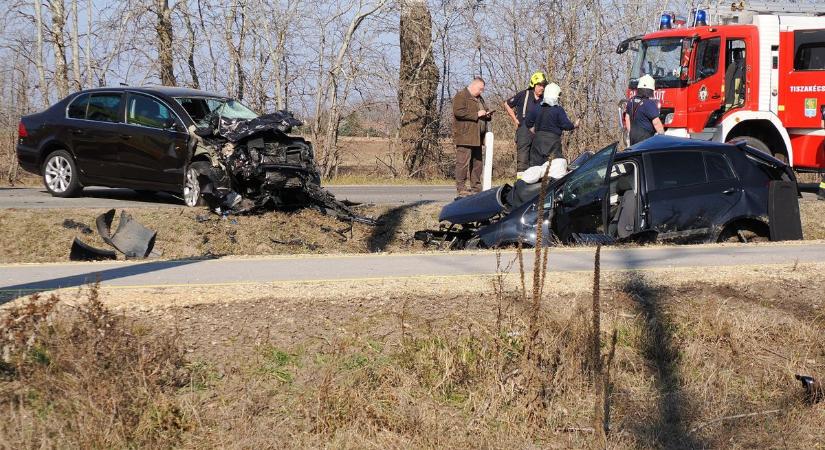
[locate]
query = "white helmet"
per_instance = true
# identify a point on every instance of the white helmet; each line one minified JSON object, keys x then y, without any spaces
{"x":647,"y":82}
{"x":551,"y":94}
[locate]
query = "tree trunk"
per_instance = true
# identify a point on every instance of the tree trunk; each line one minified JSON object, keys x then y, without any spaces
{"x":89,"y":72}
{"x":78,"y":80}
{"x":190,"y":59}
{"x":417,"y":87}
{"x":165,"y":56}
{"x":41,"y":72}
{"x":61,"y":71}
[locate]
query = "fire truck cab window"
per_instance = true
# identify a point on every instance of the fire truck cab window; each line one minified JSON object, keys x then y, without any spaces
{"x":661,"y":59}
{"x":810,"y":50}
{"x":707,"y":58}
{"x":735,"y":73}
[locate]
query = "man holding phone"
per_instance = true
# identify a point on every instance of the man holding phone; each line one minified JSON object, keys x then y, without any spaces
{"x":470,"y":123}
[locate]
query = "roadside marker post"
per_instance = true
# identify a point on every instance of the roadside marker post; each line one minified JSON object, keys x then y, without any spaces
{"x":487,"y":178}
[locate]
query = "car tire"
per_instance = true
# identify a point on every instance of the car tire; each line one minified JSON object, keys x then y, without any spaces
{"x":192,"y":189}
{"x":743,"y":235}
{"x":759,"y":145}
{"x":60,"y":175}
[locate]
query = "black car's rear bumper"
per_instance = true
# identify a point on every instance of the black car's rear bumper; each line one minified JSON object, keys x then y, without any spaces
{"x":28,"y":158}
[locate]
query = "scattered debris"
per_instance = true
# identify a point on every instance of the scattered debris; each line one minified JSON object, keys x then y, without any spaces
{"x":70,"y":224}
{"x":83,"y":252}
{"x":342,"y":233}
{"x":131,"y":238}
{"x":814,"y":391}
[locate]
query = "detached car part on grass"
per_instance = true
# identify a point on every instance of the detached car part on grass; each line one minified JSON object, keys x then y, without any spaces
{"x":131,"y":239}
{"x":664,"y":189}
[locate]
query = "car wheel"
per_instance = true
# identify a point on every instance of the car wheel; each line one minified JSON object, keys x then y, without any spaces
{"x":192,"y":189}
{"x":759,"y":145}
{"x":743,"y":235}
{"x":60,"y":174}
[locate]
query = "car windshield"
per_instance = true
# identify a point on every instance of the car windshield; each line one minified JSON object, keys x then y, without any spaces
{"x":202,"y":109}
{"x":661,"y":59}
{"x":589,"y":177}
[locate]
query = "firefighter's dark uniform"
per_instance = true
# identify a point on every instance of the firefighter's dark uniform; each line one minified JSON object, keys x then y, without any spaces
{"x":549,"y":122}
{"x":642,"y":111}
{"x":523,"y":103}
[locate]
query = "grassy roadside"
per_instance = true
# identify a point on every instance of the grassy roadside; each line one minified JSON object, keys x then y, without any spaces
{"x":39,"y":235}
{"x":696,"y":358}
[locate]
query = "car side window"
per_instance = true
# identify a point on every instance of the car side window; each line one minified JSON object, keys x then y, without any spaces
{"x":670,"y":169}
{"x":146,"y":111}
{"x":718,"y":167}
{"x":77,"y":108}
{"x":104,"y":108}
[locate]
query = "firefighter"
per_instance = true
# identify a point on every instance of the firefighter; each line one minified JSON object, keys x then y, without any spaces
{"x":642,"y":118}
{"x":518,"y":107}
{"x":820,"y":195}
{"x":548,"y":122}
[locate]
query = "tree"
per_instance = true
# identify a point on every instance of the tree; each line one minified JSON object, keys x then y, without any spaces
{"x":61,"y":71}
{"x":165,"y":56}
{"x":417,"y":87}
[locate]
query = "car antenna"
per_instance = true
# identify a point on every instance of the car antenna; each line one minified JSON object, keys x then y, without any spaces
{"x":123,"y":84}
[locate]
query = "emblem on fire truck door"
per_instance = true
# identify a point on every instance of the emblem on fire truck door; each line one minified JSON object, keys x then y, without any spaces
{"x":810,"y":107}
{"x":703,"y":93}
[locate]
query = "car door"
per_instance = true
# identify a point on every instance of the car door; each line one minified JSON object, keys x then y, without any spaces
{"x":153,"y":149}
{"x":579,"y":205}
{"x":705,"y":92}
{"x":94,"y":132}
{"x":689,"y":192}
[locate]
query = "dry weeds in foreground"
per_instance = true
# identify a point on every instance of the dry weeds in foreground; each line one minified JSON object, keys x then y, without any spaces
{"x":683,"y":366}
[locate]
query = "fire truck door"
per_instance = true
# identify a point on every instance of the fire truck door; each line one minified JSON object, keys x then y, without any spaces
{"x":705,"y":94}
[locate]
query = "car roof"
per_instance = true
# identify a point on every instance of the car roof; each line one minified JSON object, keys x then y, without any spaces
{"x":663,"y":142}
{"x":169,"y":91}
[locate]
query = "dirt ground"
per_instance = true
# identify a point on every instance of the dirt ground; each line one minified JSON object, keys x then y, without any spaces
{"x":702,"y":358}
{"x":40,"y":235}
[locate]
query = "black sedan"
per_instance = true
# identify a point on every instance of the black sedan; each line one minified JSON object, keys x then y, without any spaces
{"x":129,"y":137}
{"x":664,"y":189}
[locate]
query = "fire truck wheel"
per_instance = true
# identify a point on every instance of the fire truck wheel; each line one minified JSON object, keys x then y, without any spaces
{"x":759,"y":145}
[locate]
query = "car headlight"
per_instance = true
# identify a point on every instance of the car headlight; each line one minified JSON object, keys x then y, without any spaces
{"x":668,"y":118}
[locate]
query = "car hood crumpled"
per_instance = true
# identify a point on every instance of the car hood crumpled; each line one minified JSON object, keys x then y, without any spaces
{"x":236,"y":130}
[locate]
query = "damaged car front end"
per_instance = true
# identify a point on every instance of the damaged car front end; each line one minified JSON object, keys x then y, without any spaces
{"x":665,"y":190}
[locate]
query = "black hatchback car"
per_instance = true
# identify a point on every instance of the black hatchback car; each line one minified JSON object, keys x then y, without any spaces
{"x":664,"y":189}
{"x":124,"y":137}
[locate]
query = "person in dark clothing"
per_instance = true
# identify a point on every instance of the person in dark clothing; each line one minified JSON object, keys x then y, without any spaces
{"x":518,"y":107}
{"x":642,"y":118}
{"x":547,"y":123}
{"x":820,"y":195}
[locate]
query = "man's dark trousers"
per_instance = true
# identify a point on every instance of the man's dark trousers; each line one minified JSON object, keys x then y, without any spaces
{"x":468,"y":162}
{"x":524,"y":140}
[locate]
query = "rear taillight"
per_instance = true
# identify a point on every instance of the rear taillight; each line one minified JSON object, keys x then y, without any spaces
{"x":21,"y":130}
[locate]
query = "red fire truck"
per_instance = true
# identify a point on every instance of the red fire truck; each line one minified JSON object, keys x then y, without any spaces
{"x":747,"y":70}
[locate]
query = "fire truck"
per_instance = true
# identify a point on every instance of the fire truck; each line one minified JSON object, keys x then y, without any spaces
{"x":742,"y":70}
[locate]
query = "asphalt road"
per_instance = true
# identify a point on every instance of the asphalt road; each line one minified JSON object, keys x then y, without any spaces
{"x":17,"y":280}
{"x":38,"y":198}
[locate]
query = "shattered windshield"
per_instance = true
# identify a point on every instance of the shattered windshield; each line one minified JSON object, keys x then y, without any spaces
{"x":201,"y":109}
{"x":589,"y":177}
{"x":661,"y":59}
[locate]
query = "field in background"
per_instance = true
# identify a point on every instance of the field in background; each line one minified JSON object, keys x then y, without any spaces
{"x":693,"y":358}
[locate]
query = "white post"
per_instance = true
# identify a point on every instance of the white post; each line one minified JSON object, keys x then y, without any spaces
{"x":487,"y":179}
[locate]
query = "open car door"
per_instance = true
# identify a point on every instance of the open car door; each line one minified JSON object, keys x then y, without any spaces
{"x":581,"y":202}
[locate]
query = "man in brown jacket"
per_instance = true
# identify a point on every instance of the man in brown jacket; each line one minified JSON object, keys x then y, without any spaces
{"x":471,"y":117}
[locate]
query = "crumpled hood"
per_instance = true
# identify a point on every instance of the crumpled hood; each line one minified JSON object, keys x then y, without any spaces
{"x":235,"y":130}
{"x":474,"y":208}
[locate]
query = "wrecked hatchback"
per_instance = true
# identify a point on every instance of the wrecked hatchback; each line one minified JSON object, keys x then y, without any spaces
{"x":664,"y":189}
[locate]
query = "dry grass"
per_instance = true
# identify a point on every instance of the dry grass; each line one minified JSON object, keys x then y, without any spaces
{"x":692,"y":352}
{"x":39,"y":236}
{"x":87,"y":378}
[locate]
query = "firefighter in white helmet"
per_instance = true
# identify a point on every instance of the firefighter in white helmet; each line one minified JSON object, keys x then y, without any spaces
{"x":642,"y":114}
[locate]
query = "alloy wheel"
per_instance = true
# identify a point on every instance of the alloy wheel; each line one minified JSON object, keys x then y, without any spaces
{"x":192,"y":188}
{"x":58,"y":174}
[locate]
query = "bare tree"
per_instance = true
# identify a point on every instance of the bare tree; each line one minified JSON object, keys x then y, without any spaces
{"x":39,"y":61}
{"x":190,"y":56}
{"x":417,"y":87}
{"x":165,"y":39}
{"x":61,"y":71}
{"x":77,"y":78}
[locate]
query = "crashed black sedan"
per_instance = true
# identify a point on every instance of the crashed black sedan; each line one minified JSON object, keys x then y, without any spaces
{"x":203,"y":146}
{"x":664,"y":189}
